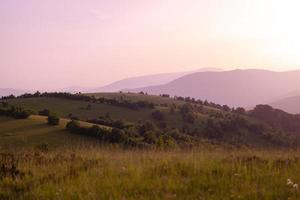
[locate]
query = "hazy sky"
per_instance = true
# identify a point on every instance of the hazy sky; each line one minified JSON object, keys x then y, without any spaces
{"x":58,"y":43}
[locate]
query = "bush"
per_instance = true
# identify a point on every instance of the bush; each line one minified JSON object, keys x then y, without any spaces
{"x":158,"y":115}
{"x":53,"y":120}
{"x":44,"y":112}
{"x":16,"y":112}
{"x":118,"y":136}
{"x":150,"y":137}
{"x":73,"y":126}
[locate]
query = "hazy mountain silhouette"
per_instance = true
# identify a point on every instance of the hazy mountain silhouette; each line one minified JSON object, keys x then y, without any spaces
{"x":235,"y":88}
{"x":289,"y":104}
{"x":9,"y":91}
{"x":75,"y":89}
{"x":145,"y":81}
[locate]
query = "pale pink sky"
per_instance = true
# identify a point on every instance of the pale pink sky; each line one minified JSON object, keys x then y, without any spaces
{"x":49,"y":44}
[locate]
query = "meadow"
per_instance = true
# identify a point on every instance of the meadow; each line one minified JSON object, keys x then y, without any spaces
{"x":103,"y":172}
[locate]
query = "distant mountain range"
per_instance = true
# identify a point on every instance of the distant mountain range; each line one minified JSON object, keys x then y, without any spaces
{"x":75,"y":89}
{"x":245,"y":88}
{"x":145,"y":81}
{"x":289,"y":104}
{"x":235,"y":88}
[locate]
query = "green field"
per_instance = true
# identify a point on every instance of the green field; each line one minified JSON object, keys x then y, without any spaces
{"x":64,"y":107}
{"x":34,"y":131}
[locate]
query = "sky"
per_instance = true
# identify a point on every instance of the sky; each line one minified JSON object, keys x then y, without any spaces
{"x":53,"y":44}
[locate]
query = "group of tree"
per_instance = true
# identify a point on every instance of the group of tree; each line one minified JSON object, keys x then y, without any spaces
{"x":276,"y":118}
{"x":158,"y":115}
{"x":187,"y":113}
{"x":15,"y":112}
{"x":53,"y":119}
{"x":108,"y":121}
{"x":146,"y":134}
{"x":116,"y":102}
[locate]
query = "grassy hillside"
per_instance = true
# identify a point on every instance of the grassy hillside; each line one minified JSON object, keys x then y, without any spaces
{"x":34,"y":131}
{"x":64,"y":107}
{"x":147,"y":119}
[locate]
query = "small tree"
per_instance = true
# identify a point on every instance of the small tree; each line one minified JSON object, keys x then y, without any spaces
{"x":53,"y":120}
{"x":44,"y":112}
{"x":158,"y":115}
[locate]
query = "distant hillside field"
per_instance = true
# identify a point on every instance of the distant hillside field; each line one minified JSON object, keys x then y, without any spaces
{"x":64,"y":107}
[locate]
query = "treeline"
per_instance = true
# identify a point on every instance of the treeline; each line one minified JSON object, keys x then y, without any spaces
{"x":108,"y":121}
{"x":145,"y":135}
{"x":276,"y":118}
{"x":80,"y":97}
{"x":239,"y":110}
{"x":15,"y":112}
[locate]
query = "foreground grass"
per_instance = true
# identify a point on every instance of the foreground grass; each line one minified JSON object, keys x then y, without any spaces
{"x":113,"y":173}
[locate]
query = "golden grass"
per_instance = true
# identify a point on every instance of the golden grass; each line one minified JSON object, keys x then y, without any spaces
{"x":115,"y":173}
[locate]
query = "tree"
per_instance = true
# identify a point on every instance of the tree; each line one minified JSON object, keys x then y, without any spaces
{"x":240,"y":110}
{"x":118,"y":136}
{"x":53,"y":120}
{"x":226,"y":108}
{"x":150,"y":137}
{"x":44,"y":112}
{"x":158,"y":115}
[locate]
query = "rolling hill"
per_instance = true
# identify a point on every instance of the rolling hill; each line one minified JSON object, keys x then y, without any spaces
{"x":140,"y":119}
{"x":144,"y":81}
{"x":235,"y":88}
{"x":22,"y":133}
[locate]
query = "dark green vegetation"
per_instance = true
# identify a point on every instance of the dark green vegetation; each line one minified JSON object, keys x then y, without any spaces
{"x":53,"y":120}
{"x":144,"y":120}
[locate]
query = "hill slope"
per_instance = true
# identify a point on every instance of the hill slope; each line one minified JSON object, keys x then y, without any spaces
{"x":235,"y":88}
{"x":175,"y":122}
{"x":35,"y":131}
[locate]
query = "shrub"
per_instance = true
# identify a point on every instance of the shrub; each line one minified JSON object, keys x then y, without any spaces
{"x":73,"y":126}
{"x":189,"y":118}
{"x":150,"y":137}
{"x":165,"y":141}
{"x":16,"y":112}
{"x":53,"y":120}
{"x":44,"y":112}
{"x":158,"y":115}
{"x":118,"y":136}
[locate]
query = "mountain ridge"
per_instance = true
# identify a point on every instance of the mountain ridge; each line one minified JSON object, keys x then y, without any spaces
{"x":234,"y":87}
